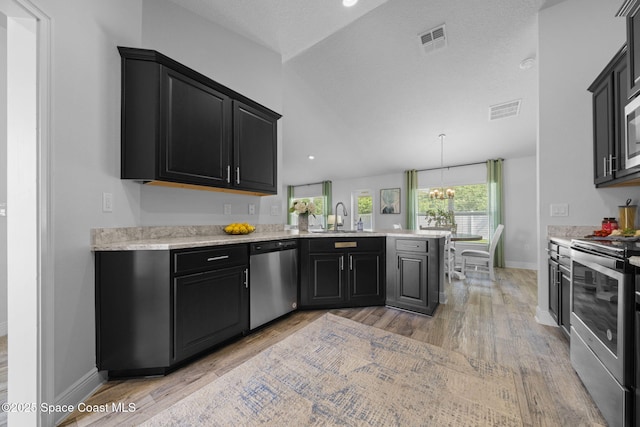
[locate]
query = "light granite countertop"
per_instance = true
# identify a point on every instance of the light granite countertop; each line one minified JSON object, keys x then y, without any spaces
{"x":167,"y":238}
{"x":563,"y":234}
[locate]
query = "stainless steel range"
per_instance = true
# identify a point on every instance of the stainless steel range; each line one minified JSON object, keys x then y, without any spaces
{"x":602,"y":324}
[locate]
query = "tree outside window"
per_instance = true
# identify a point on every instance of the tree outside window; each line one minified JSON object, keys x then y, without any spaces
{"x":470,"y":207}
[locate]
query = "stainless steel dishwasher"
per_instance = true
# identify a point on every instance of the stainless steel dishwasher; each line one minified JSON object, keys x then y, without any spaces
{"x":273,"y":280}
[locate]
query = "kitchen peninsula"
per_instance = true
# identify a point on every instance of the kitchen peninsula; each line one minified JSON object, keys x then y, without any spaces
{"x":165,"y":295}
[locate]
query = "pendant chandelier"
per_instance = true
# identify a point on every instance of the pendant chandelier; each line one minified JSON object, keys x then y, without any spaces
{"x":441,"y":193}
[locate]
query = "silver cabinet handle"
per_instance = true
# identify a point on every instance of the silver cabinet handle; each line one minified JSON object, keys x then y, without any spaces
{"x":350,"y":262}
{"x":342,"y":262}
{"x":228,"y":174}
{"x":604,"y":164}
{"x":611,"y":169}
{"x":238,"y":175}
{"x":246,"y":278}
{"x":217,"y":258}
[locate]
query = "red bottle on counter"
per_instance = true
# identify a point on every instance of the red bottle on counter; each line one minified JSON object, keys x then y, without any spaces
{"x":609,"y":224}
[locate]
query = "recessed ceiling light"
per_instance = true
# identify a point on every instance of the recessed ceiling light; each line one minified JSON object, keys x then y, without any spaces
{"x":311,"y":157}
{"x":349,"y":3}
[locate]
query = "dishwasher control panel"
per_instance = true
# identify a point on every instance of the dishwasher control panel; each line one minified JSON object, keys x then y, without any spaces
{"x":272,"y":246}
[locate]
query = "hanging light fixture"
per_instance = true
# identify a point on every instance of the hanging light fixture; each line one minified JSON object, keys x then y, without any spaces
{"x":441,"y":193}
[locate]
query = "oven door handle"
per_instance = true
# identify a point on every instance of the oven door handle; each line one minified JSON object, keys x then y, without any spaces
{"x":602,"y":260}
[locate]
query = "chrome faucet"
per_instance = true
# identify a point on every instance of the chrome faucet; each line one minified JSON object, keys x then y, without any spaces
{"x":344,"y":213}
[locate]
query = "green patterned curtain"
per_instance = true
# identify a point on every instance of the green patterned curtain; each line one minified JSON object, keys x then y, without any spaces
{"x":496,"y":204}
{"x":411,"y":184}
{"x":289,"y":202}
{"x":326,"y":193}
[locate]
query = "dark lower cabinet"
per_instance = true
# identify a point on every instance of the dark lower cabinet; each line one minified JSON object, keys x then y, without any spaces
{"x":559,"y":273}
{"x":414,"y":273}
{"x":342,"y":272}
{"x":554,"y":286}
{"x":156,"y":309}
{"x":209,"y":308}
{"x":565,"y":297}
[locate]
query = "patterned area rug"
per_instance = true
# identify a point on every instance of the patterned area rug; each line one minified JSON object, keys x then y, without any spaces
{"x":339,"y":372}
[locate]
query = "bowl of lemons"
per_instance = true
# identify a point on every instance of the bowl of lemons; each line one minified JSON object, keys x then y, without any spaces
{"x":239,"y":228}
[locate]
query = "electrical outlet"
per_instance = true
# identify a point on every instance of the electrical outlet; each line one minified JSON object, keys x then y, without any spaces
{"x":275,"y":210}
{"x":560,"y":209}
{"x":252,"y":209}
{"x":227,"y":209}
{"x":107,"y":202}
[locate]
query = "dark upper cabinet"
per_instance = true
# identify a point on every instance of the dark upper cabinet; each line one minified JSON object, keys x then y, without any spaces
{"x":180,"y":128}
{"x":609,"y":93}
{"x":255,"y":149}
{"x":195,"y":131}
{"x":630,"y":10}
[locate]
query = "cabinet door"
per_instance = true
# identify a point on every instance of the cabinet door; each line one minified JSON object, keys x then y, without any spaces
{"x":195,"y":132}
{"x":208,"y":309}
{"x":633,"y":42}
{"x":254,"y":149}
{"x":565,"y":300}
{"x":411,"y":282}
{"x":603,"y":131}
{"x":325,"y":283}
{"x":554,"y":293}
{"x":365,"y":284}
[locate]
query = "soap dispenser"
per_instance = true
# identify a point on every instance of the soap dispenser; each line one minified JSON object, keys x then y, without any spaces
{"x":360,"y":226}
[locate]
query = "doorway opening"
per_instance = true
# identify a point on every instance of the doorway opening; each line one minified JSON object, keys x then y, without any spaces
{"x":25,"y":172}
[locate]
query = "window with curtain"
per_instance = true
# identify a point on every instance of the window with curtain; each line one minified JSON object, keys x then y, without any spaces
{"x":319,"y":194}
{"x":470,"y":207}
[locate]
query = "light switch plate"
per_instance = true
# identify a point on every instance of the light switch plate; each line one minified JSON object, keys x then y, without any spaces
{"x":107,"y":202}
{"x":559,"y":209}
{"x":252,"y":209}
{"x":275,"y":210}
{"x":227,"y":209}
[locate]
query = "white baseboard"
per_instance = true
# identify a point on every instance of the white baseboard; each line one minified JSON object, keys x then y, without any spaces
{"x":544,"y":318}
{"x":79,"y":392}
{"x":521,"y":265}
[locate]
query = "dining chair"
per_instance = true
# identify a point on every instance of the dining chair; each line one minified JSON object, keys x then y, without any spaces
{"x":449,"y":257}
{"x":484,"y":256}
{"x":449,"y":251}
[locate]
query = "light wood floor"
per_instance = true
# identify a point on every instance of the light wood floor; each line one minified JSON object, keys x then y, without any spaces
{"x":490,"y":320}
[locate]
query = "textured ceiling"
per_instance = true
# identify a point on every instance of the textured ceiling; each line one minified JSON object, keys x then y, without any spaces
{"x":285,"y":26}
{"x":363,"y":98}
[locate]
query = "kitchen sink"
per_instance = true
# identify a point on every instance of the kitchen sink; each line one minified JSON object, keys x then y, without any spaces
{"x":339,"y":231}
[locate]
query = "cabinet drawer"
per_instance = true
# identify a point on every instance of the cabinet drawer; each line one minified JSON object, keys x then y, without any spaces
{"x":348,"y":244}
{"x":411,"y":245}
{"x":202,"y":259}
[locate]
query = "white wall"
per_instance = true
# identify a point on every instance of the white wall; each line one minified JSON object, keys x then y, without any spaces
{"x":235,"y":62}
{"x":577,"y":38}
{"x":3,"y":173}
{"x":85,"y":141}
{"x":520,"y":203}
{"x":86,"y":148}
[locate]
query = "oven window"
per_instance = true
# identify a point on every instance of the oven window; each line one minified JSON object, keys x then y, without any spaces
{"x":595,"y":302}
{"x":633,"y":138}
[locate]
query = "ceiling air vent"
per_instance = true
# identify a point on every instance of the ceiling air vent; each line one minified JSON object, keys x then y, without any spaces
{"x":434,"y":39}
{"x":502,"y":111}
